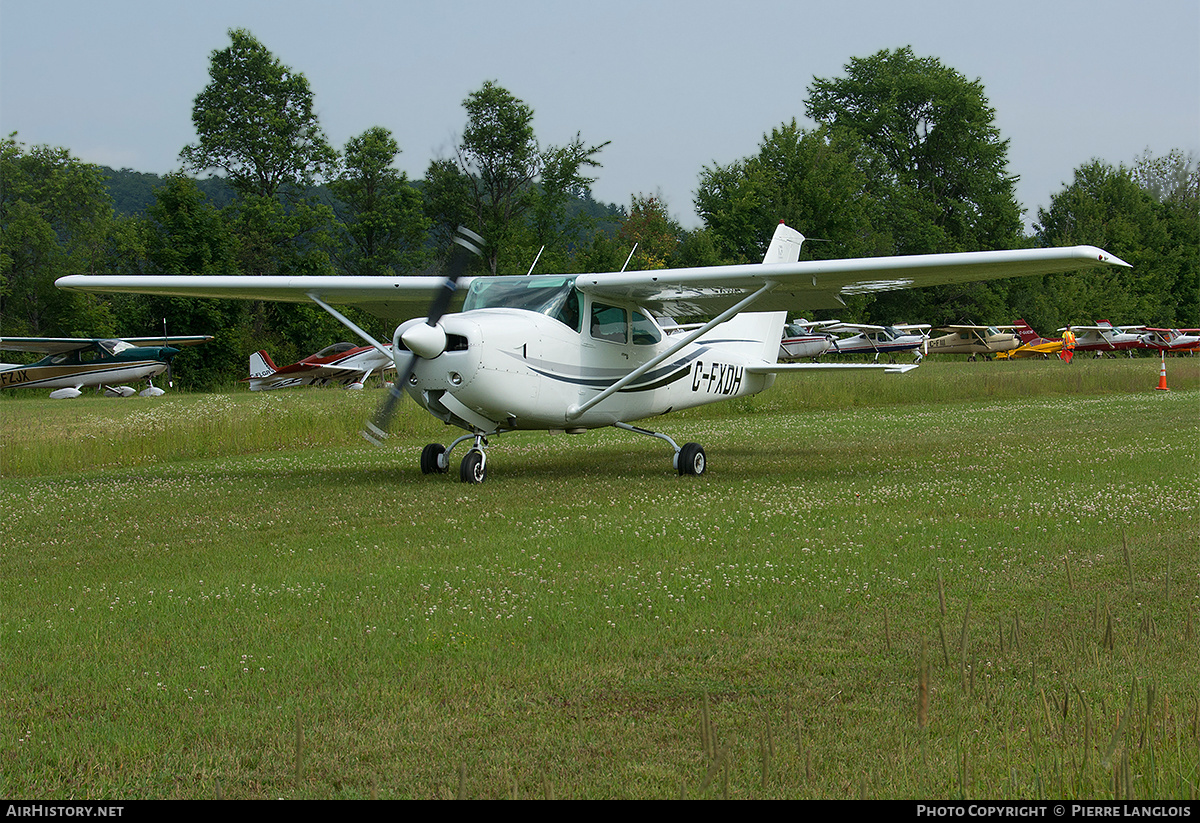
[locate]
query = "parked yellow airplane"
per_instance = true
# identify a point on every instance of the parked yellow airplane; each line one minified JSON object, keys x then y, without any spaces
{"x":1032,"y":345}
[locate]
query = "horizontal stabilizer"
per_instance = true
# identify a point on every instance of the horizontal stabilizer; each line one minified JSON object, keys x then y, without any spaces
{"x":777,"y":368}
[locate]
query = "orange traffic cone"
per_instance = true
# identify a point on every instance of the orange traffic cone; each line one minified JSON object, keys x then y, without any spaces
{"x":1162,"y":376}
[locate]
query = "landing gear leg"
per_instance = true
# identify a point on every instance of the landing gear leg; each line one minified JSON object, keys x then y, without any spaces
{"x":688,"y":459}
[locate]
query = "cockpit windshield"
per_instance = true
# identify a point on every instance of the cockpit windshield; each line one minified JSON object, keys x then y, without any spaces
{"x":551,"y":295}
{"x":336,"y":348}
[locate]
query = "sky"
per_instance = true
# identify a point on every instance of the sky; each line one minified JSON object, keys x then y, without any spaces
{"x":674,"y":86}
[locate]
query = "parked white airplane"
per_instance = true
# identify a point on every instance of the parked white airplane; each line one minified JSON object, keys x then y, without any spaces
{"x":577,"y":352}
{"x":71,"y":363}
{"x":973,"y":340}
{"x":1172,"y":340}
{"x":879,"y":340}
{"x":1105,"y":337}
{"x":804,"y":338}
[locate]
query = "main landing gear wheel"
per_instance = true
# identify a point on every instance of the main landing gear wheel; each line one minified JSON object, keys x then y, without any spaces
{"x":690,"y":459}
{"x":473,"y":468}
{"x":433,"y":459}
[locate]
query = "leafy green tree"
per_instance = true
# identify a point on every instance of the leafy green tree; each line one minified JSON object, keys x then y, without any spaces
{"x":562,"y":183}
{"x":503,"y":183}
{"x":651,"y":233}
{"x":935,"y":158}
{"x":446,"y":198}
{"x":1174,"y":177}
{"x":381,"y":215}
{"x":181,"y":234}
{"x":808,"y":179}
{"x":936,"y":172}
{"x":1104,"y":206}
{"x":55,"y":219}
{"x":1173,"y":181}
{"x":256,"y":123}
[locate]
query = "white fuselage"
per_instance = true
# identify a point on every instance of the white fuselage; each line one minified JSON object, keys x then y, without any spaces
{"x":973,"y":342}
{"x":800,"y":345}
{"x":510,"y":368}
{"x":883,"y":341}
{"x":51,"y":376}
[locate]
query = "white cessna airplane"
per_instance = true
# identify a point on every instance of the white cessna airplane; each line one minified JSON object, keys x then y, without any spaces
{"x":879,"y":340}
{"x":575,"y":352}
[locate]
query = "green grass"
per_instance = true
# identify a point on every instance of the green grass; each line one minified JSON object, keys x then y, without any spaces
{"x":976,"y":580}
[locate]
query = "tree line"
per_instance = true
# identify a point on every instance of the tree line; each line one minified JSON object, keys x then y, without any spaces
{"x":905,"y":158}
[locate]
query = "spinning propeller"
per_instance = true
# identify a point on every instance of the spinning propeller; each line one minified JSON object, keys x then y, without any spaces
{"x":425,"y":340}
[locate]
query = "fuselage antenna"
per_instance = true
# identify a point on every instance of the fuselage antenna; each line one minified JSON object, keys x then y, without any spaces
{"x":630,"y":257}
{"x":539,"y":255}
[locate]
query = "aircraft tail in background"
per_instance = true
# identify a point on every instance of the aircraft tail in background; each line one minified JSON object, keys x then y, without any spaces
{"x":261,"y":365}
{"x":1027,"y":335}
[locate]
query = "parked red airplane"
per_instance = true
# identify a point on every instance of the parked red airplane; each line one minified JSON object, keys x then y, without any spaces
{"x":342,"y":363}
{"x":1171,"y":340}
{"x":1105,"y":337}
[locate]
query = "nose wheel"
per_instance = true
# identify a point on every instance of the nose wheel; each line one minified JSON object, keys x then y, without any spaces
{"x":435,"y":459}
{"x":473,"y":468}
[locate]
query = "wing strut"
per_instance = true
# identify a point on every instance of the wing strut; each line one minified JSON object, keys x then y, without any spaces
{"x":576,"y":410}
{"x":348,"y":323}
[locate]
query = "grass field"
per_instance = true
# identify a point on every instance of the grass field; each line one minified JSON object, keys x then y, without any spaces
{"x":978,"y":580}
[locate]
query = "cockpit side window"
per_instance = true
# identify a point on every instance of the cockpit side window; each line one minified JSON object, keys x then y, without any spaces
{"x":569,"y":312}
{"x":608,"y":323}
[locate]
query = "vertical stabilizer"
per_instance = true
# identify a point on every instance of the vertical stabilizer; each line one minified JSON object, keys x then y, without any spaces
{"x":261,"y":365}
{"x":785,"y":245}
{"x":1028,"y":336}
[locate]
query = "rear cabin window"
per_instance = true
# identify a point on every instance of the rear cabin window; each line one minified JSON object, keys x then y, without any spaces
{"x":645,"y":333}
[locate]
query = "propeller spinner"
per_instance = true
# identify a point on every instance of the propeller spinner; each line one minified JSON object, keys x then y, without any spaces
{"x":425,"y":340}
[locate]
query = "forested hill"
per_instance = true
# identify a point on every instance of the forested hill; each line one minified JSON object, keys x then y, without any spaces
{"x":133,"y":191}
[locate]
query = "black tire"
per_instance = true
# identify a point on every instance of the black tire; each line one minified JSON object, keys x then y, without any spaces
{"x":691,"y":459}
{"x":473,"y":469}
{"x":430,"y":459}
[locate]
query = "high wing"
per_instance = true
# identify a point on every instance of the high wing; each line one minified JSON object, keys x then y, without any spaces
{"x":58,"y":345}
{"x":390,"y":298}
{"x":697,"y":291}
{"x":824,"y":284}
